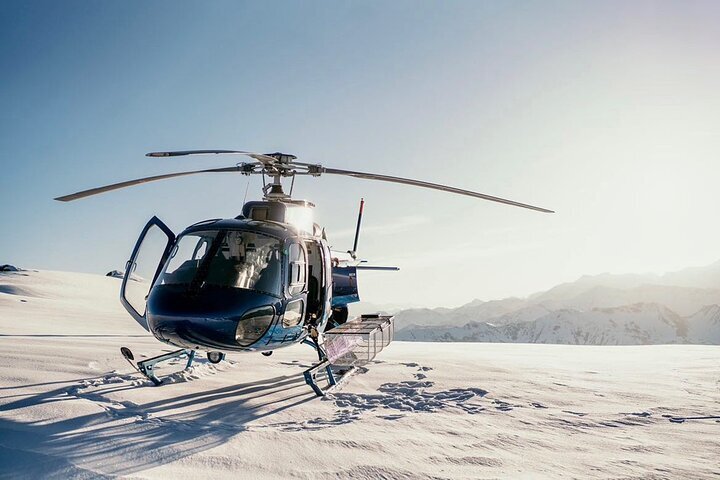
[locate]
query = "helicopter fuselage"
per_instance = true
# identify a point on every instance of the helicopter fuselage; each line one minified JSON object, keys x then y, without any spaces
{"x":235,"y":284}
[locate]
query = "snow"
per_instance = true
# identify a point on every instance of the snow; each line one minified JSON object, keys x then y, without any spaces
{"x":71,"y":407}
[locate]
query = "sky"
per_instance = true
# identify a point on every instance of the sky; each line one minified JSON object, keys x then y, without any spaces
{"x":606,"y":112}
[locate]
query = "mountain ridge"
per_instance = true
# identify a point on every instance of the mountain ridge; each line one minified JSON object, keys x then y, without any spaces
{"x":604,"y":309}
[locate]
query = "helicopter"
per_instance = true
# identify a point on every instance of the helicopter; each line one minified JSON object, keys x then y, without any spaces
{"x":264,"y":280}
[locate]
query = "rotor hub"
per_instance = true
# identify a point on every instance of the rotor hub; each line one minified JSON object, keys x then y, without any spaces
{"x":284,"y":158}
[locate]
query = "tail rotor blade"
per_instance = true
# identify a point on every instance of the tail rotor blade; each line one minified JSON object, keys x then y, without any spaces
{"x":357,"y":228}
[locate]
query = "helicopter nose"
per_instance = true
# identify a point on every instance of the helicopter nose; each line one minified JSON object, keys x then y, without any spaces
{"x":218,"y":318}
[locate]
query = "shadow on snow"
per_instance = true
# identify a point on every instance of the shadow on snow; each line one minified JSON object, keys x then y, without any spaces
{"x":126,"y":438}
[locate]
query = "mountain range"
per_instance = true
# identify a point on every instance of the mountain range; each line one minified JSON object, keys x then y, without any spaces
{"x":605,"y":309}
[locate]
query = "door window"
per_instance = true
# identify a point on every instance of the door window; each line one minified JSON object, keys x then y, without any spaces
{"x":296,"y":272}
{"x":144,"y":265}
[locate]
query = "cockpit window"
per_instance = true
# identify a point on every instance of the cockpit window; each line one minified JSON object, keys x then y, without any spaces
{"x":185,"y":258}
{"x":228,"y":258}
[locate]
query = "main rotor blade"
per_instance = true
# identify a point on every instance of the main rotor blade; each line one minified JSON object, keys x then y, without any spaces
{"x":265,"y":159}
{"x":434,"y":186}
{"x":130,"y":183}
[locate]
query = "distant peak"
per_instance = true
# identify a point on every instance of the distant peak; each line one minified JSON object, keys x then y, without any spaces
{"x":637,"y":308}
{"x":710,"y":310}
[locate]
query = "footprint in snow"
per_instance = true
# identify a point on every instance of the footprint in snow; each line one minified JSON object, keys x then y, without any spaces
{"x":409,"y":396}
{"x":579,"y":414}
{"x":417,"y":365}
{"x":503,"y":406}
{"x":674,"y":419}
{"x":391,"y":417}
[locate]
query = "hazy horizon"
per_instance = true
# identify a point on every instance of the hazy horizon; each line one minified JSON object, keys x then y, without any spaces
{"x":398,"y":305}
{"x":606,"y":113}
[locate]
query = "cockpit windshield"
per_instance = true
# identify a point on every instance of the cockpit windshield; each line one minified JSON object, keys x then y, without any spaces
{"x":228,"y":258}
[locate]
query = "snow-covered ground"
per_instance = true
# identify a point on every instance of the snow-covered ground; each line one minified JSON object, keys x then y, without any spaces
{"x":71,"y":407}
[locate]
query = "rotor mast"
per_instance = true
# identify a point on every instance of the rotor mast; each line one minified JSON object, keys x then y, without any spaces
{"x":274,"y":191}
{"x":280,"y":168}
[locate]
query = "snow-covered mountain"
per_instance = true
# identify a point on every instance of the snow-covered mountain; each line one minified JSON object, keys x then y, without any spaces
{"x":704,"y":326}
{"x":643,"y":323}
{"x":606,"y":309}
{"x":683,"y":300}
{"x":472,"y":311}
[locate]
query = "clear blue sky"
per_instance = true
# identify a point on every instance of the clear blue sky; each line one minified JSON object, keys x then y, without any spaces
{"x":607,"y":112}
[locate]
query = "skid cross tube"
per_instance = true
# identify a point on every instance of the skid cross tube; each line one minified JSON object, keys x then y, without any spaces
{"x":311,"y":373}
{"x":310,"y":377}
{"x":147,"y":367}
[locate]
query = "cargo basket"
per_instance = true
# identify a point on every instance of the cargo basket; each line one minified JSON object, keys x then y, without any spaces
{"x":359,"y":340}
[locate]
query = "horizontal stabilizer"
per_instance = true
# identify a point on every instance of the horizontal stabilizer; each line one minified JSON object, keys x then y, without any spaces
{"x":374,"y":267}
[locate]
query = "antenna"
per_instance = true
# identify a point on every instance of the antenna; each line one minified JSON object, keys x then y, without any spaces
{"x":357,"y":229}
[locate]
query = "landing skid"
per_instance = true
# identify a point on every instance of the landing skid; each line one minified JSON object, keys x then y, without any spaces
{"x":333,"y":378}
{"x":147,"y":367}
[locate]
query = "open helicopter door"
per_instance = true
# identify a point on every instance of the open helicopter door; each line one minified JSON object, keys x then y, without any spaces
{"x":148,"y":257}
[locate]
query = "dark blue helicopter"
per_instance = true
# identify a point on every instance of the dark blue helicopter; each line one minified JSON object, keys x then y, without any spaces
{"x":263,"y":280}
